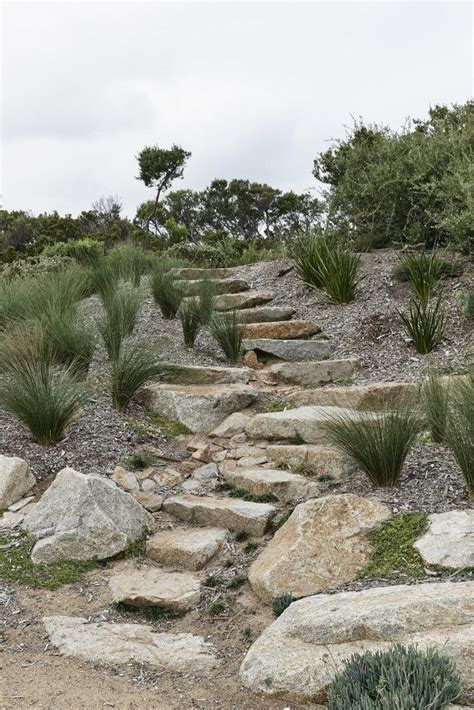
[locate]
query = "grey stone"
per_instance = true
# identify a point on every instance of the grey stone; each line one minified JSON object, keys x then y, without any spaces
{"x":233,"y":424}
{"x":315,"y":635}
{"x":150,"y":501}
{"x":15,"y":480}
{"x":150,"y":586}
{"x":319,"y":460}
{"x":194,"y":273}
{"x":264,"y":314}
{"x":84,"y":517}
{"x":247,"y":299}
{"x":231,"y":513}
{"x":372,"y":396}
{"x":289,"y":350}
{"x":188,"y":548}
{"x":220,"y":286}
{"x":263,"y":481}
{"x":283,"y":330}
{"x":105,"y":642}
{"x":206,"y":473}
{"x":315,"y":373}
{"x":15,"y":507}
{"x":200,"y":375}
{"x":449,"y":540}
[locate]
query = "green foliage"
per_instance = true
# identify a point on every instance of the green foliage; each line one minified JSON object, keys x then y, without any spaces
{"x":229,"y":333}
{"x":72,"y":343}
{"x":402,"y":678}
{"x":121,"y":305}
{"x":217,"y":606}
{"x":309,"y":254}
{"x":139,"y":461}
{"x":245,"y":495}
{"x":128,"y":262}
{"x":132,"y":367}
{"x":279,"y":604}
{"x":34,"y":267}
{"x":424,"y":323}
{"x":167,"y":426}
{"x":85,"y":251}
{"x":422,"y":271}
{"x":236,"y":582}
{"x":190,"y":315}
{"x":166,"y":293}
{"x":147,"y":613}
{"x":393,"y":555}
{"x":379,"y":443}
{"x":207,"y":297}
{"x":434,"y":398}
{"x":466,"y":303}
{"x":16,"y":566}
{"x":276,"y":405}
{"x":459,"y":433}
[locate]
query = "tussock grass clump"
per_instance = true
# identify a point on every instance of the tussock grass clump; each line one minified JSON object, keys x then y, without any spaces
{"x":308,"y":254}
{"x":165,"y":292}
{"x":229,"y":333}
{"x":424,"y":323}
{"x":422,"y":271}
{"x":378,"y":444}
{"x":435,"y":399}
{"x":128,"y":262}
{"x":72,"y":343}
{"x":207,"y":298}
{"x":396,"y":678}
{"x":122,"y":306}
{"x":190,"y":315}
{"x":459,"y":434}
{"x":133,"y":366}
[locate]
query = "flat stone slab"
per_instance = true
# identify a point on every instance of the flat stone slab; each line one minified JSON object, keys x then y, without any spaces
{"x":195,"y":273}
{"x":109,"y":643}
{"x":288,"y":350}
{"x":315,"y":373}
{"x":149,"y":586}
{"x":199,"y":407}
{"x":219,"y":286}
{"x":15,"y":480}
{"x":321,"y":546}
{"x":449,"y":540}
{"x":187,"y":548}
{"x":247,"y":299}
{"x":264,"y":314}
{"x":263,"y":481}
{"x":231,"y":513}
{"x":232,"y":425}
{"x":319,"y":460}
{"x":303,"y":422}
{"x":298,"y":655}
{"x":200,"y":375}
{"x":372,"y":396}
{"x":281,"y":330}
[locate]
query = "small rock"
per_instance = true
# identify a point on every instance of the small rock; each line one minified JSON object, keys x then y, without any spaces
{"x":150,"y":501}
{"x":250,"y":359}
{"x":15,"y":480}
{"x":233,"y":424}
{"x":125,"y":479}
{"x":148,"y":485}
{"x":449,"y":540}
{"x":15,"y":507}
{"x":251,"y":461}
{"x":168,"y":477}
{"x":206,"y":473}
{"x":203,"y":454}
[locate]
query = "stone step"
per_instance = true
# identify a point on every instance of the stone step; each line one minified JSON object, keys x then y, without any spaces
{"x":303,"y":423}
{"x":219,"y":286}
{"x":247,"y":299}
{"x":195,"y":273}
{"x":372,"y":396}
{"x":335,"y":626}
{"x":281,"y":330}
{"x":199,"y":407}
{"x":318,"y":460}
{"x":288,"y":350}
{"x":186,"y":548}
{"x":264,"y":314}
{"x":231,"y":513}
{"x":109,"y":643}
{"x":200,"y":375}
{"x":264,"y":481}
{"x":315,"y":373}
{"x":150,"y":586}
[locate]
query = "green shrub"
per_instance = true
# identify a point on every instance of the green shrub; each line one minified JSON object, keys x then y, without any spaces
{"x":422,"y":271}
{"x":128,"y":262}
{"x":466,"y":303}
{"x":34,"y":267}
{"x":84,"y":251}
{"x":190,"y":316}
{"x":378,"y":444}
{"x":279,"y":604}
{"x":460,"y":428}
{"x":434,"y":398}
{"x":166,"y":293}
{"x":400,"y":677}
{"x":392,"y":553}
{"x":131,"y":369}
{"x":308,"y":254}
{"x":122,"y":306}
{"x":229,"y":333}
{"x":424,"y":323}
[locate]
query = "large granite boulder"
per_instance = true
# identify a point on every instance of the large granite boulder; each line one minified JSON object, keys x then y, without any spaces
{"x":449,"y":540}
{"x":16,"y":480}
{"x":298,"y":655}
{"x":105,"y":642}
{"x":322,"y":545}
{"x":283,"y":485}
{"x":84,"y":517}
{"x":288,"y":350}
{"x":318,"y":460}
{"x":373,"y":396}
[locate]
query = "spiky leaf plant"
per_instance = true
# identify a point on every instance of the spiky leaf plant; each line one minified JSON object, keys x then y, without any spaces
{"x":134,"y":365}
{"x":399,"y":678}
{"x":229,"y":333}
{"x":340,"y":274}
{"x":279,"y":604}
{"x":165,"y":292}
{"x":308,"y":255}
{"x":424,"y":323}
{"x":378,"y":443}
{"x":422,"y":271}
{"x":434,"y":399}
{"x":459,"y":433}
{"x":121,"y":311}
{"x":190,"y":316}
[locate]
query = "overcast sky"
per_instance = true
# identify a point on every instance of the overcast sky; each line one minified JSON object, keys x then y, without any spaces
{"x":254,"y":90}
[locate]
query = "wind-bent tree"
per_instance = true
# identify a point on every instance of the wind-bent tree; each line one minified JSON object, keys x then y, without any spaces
{"x":158,"y":168}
